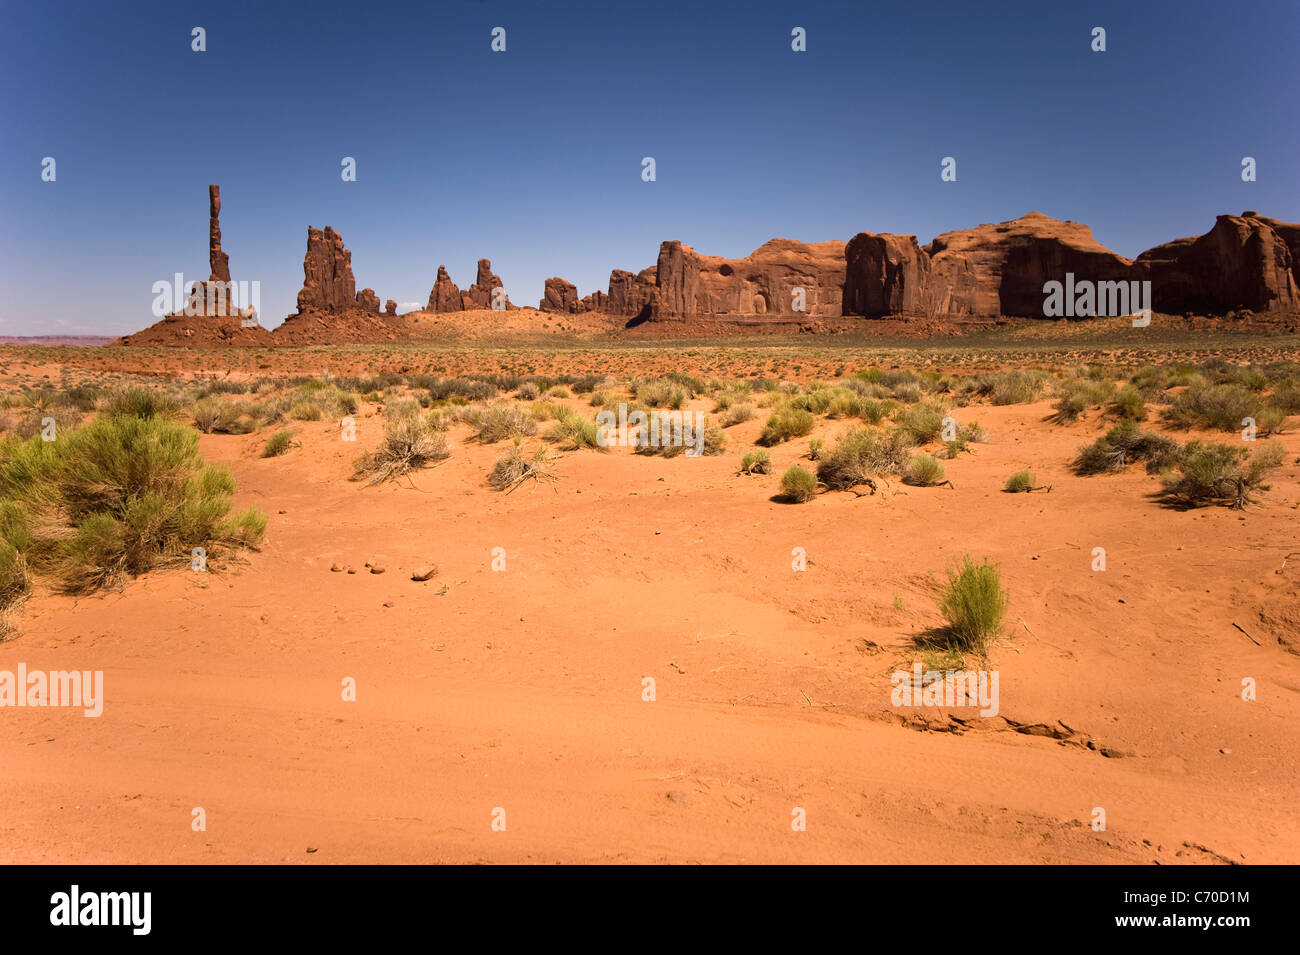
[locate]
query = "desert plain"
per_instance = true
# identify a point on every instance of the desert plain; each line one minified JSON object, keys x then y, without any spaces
{"x":499,"y":710}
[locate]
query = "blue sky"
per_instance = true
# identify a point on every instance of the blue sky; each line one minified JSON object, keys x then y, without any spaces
{"x":532,"y":157}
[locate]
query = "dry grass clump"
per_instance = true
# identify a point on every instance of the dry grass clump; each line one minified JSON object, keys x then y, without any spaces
{"x":514,"y":469}
{"x":410,"y":443}
{"x":860,"y":456}
{"x":1220,"y":474}
{"x":493,"y":423}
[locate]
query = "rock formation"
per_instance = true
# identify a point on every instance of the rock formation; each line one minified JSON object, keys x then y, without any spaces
{"x":445,"y":296}
{"x":216,"y":313}
{"x":781,"y":278}
{"x":885,"y":275}
{"x":1244,"y":262}
{"x":1001,"y":269}
{"x":631,"y":294}
{"x":368,"y":301}
{"x":559,"y":295}
{"x":328,"y":285}
{"x":390,"y":308}
{"x":218,"y":261}
{"x":479,"y":295}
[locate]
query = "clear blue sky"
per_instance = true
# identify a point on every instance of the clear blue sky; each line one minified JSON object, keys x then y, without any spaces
{"x":532,"y":157}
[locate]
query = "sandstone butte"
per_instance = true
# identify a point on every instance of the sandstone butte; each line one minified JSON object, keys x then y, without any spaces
{"x":1244,"y":264}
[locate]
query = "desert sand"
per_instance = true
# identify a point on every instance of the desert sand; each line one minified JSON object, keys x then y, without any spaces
{"x":522,"y":688}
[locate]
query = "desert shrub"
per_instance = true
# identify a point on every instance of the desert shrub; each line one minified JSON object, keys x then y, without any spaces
{"x":732,"y":394}
{"x":756,"y":462}
{"x":573,"y":431}
{"x":1018,"y":387}
{"x":1123,"y":445}
{"x":598,"y":399}
{"x":447,"y":389}
{"x":921,"y":422}
{"x":1216,"y":407}
{"x":306,"y":411}
{"x":513,"y":468}
{"x":493,"y":423}
{"x":974,"y":604}
{"x":139,"y":403}
{"x":1021,"y":481}
{"x":34,"y":421}
{"x":15,"y":583}
{"x":1078,"y":396}
{"x":223,"y":387}
{"x":115,"y":498}
{"x":558,"y":391}
{"x":738,"y":413}
{"x":798,"y":485}
{"x":82,"y":397}
{"x":409,"y":443}
{"x":1287,"y":397}
{"x":715,"y":441}
{"x":1221,"y":474}
{"x":923,"y":471}
{"x":1129,"y":403}
{"x":786,"y":423}
{"x":907,"y":391}
{"x":874,"y":412}
{"x":528,"y":391}
{"x":1270,"y":420}
{"x":661,"y":393}
{"x":860,"y":455}
{"x":816,"y":447}
{"x":214,"y":416}
{"x":277,"y":444}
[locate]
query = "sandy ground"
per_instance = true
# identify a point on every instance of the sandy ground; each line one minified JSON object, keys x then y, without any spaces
{"x":522,"y":689}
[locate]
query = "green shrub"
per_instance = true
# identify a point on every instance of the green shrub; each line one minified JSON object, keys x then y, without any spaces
{"x":139,"y":403}
{"x":277,"y":444}
{"x":798,"y":485}
{"x":1130,"y":404}
{"x":921,"y":423}
{"x":1021,"y":481}
{"x":1216,"y":407}
{"x":116,"y":498}
{"x":785,"y":424}
{"x":756,"y":462}
{"x":737,"y":413}
{"x":923,"y":471}
{"x":573,"y":431}
{"x":1018,"y":387}
{"x":974,"y":604}
{"x":1123,"y":445}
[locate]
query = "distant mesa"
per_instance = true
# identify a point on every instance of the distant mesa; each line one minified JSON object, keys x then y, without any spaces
{"x":1244,"y":264}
